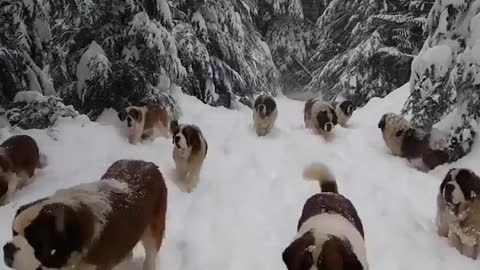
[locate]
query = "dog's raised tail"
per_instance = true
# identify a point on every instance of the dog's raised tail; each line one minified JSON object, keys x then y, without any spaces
{"x":320,"y":172}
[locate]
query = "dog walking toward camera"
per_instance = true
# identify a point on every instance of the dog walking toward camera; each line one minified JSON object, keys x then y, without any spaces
{"x":344,"y":110}
{"x":189,"y":152}
{"x":458,"y":211}
{"x":19,"y":159}
{"x":265,"y":114}
{"x":319,"y":115}
{"x":330,"y":233}
{"x":94,"y":225}
{"x":146,"y":122}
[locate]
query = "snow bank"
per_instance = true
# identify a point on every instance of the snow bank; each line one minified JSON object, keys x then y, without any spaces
{"x":29,"y":96}
{"x":251,"y":192}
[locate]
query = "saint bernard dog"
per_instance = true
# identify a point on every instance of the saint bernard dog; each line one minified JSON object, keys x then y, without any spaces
{"x":94,"y":225}
{"x":330,"y":233}
{"x":344,"y":110}
{"x":265,"y":114}
{"x":458,"y":211}
{"x":320,"y":116}
{"x":189,"y":152}
{"x":19,"y":158}
{"x":405,"y":140}
{"x":146,"y":122}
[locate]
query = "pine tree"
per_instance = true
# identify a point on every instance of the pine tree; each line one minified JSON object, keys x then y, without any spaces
{"x":445,"y":82}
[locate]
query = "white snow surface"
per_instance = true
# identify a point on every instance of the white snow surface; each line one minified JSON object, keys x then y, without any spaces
{"x":246,"y":207}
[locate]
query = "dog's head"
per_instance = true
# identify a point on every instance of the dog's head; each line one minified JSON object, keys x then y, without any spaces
{"x":347,"y":107}
{"x":133,"y":115}
{"x":185,"y":136}
{"x":299,"y":254}
{"x":265,"y":105}
{"x":459,"y":187}
{"x":44,"y":237}
{"x":327,"y":118}
{"x":334,"y":254}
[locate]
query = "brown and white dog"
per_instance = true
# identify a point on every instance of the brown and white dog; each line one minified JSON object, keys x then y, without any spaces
{"x":330,"y":233}
{"x":265,"y":114}
{"x":458,"y":211}
{"x":94,"y":225}
{"x":146,"y":123}
{"x":410,"y":142}
{"x":19,"y":158}
{"x":320,"y":116}
{"x":189,"y":152}
{"x":344,"y":110}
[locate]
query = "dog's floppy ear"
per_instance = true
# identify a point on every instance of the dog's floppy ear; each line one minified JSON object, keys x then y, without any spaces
{"x":299,"y":254}
{"x":173,"y":126}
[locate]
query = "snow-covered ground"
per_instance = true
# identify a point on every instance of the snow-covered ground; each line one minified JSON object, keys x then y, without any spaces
{"x":251,"y":192}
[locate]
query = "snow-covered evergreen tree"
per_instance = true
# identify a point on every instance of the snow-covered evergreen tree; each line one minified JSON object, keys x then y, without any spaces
{"x":225,"y":57}
{"x":445,"y":79}
{"x":115,"y":53}
{"x":371,"y":54}
{"x":25,"y":51}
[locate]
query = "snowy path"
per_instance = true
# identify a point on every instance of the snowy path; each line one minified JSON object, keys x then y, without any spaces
{"x":247,"y":204}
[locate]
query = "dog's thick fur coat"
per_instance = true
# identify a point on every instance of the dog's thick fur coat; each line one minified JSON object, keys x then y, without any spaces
{"x":147,"y":123}
{"x":94,"y":225}
{"x":265,"y":114}
{"x":344,"y":110}
{"x":458,"y":211}
{"x":330,"y":233}
{"x":320,"y":116}
{"x":189,"y":152}
{"x":19,"y":158}
{"x":412,"y":143}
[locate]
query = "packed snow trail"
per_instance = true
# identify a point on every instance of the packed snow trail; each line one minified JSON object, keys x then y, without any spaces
{"x":245,"y":209}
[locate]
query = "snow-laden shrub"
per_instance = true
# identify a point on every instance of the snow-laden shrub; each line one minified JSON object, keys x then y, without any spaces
{"x":445,"y":77}
{"x":25,"y":51}
{"x":33,"y":110}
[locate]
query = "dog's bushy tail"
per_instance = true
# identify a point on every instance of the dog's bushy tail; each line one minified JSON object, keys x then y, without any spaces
{"x":43,"y":161}
{"x":318,"y":171}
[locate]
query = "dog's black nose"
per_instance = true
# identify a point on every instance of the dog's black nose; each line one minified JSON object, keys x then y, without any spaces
{"x":9,"y":250}
{"x":328,"y":127}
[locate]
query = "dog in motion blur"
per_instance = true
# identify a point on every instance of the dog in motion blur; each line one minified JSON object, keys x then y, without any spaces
{"x":458,"y":211}
{"x":265,"y":114}
{"x":422,"y":149}
{"x":330,"y":233}
{"x":94,"y":225}
{"x":344,"y":110}
{"x":19,"y":159}
{"x":146,"y":122}
{"x":189,"y":152}
{"x":320,"y":116}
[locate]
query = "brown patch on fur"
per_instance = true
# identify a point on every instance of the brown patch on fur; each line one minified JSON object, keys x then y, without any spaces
{"x":145,"y":209}
{"x":21,"y":154}
{"x":338,"y":255}
{"x":330,"y":203}
{"x":153,"y":116}
{"x":297,"y":256}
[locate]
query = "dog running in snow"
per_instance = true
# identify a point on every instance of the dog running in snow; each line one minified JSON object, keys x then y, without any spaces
{"x":320,"y":116}
{"x":265,"y":114}
{"x":458,"y":211}
{"x":19,"y":159}
{"x":146,"y":122}
{"x":189,"y":152}
{"x":344,"y":110}
{"x":94,"y":225}
{"x":330,"y":233}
